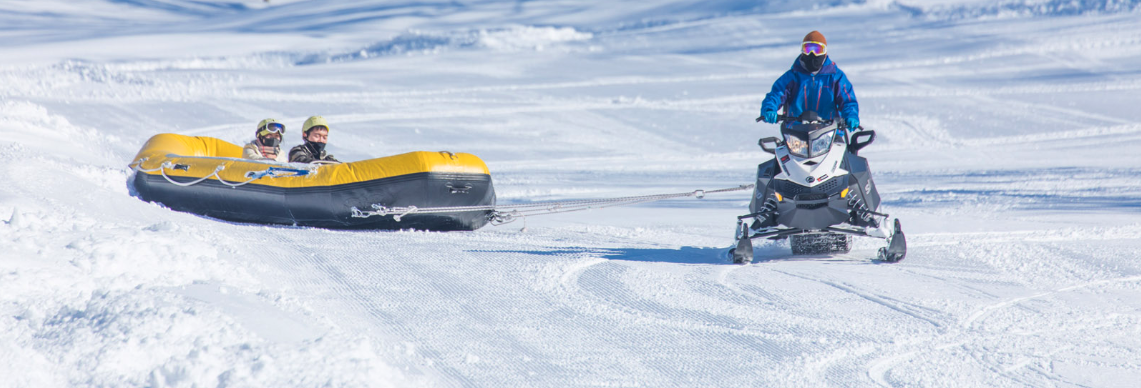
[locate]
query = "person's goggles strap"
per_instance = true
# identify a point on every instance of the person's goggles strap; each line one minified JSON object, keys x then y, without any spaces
{"x":272,"y":128}
{"x":814,"y":48}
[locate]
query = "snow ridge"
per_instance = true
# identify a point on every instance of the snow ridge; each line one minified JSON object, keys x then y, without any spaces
{"x":506,"y":39}
{"x":1018,"y":8}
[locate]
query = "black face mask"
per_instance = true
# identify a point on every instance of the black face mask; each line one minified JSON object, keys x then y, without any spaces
{"x":270,"y":141}
{"x":315,"y":147}
{"x":813,"y":63}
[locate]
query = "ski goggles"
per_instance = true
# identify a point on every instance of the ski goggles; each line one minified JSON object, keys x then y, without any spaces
{"x":272,"y":128}
{"x":816,"y":48}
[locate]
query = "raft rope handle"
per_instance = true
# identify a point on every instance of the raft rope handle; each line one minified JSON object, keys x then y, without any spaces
{"x":138,"y":166}
{"x":165,"y":165}
{"x":500,"y":217}
{"x":254,"y":175}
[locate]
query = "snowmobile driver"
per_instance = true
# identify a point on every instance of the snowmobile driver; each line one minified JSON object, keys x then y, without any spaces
{"x":267,"y":142}
{"x":316,"y":136}
{"x":814,"y":83}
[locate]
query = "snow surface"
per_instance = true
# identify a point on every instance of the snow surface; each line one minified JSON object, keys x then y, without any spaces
{"x":1007,"y":145}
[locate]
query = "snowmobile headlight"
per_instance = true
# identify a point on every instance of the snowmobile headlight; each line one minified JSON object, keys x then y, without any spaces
{"x":822,"y":144}
{"x":796,"y":146}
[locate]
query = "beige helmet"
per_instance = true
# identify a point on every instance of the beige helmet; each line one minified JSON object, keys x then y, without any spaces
{"x":314,"y":121}
{"x":267,"y":126}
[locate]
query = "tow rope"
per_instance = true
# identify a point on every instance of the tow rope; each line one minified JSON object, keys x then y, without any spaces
{"x":498,"y":215}
{"x":503,"y":214}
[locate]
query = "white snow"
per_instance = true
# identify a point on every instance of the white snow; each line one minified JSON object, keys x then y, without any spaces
{"x":1007,"y":146}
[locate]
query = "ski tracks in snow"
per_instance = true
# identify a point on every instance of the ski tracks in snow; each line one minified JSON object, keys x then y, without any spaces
{"x":614,"y":292}
{"x":965,"y":336}
{"x":731,"y":304}
{"x":912,"y":310}
{"x":1012,"y":349}
{"x":1023,"y":344}
{"x":969,"y":323}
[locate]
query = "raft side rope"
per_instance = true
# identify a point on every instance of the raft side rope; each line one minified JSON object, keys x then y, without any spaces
{"x":500,"y":215}
{"x":272,"y":172}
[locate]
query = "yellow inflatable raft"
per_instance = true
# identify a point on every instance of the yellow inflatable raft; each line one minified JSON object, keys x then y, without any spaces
{"x":207,"y":176}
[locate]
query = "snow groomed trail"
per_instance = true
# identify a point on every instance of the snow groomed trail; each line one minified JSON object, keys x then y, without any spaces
{"x":1006,"y":146}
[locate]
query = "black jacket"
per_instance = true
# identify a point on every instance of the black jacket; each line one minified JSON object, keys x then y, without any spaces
{"x":302,"y":154}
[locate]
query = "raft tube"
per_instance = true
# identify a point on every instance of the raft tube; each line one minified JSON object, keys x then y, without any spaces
{"x":318,"y":195}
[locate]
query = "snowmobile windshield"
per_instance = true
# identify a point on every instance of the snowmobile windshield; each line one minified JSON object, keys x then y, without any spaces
{"x":801,"y":147}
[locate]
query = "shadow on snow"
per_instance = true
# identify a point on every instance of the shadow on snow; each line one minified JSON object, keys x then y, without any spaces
{"x":767,"y":253}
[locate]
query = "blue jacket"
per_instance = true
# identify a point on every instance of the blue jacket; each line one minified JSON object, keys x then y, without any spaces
{"x":825,"y":93}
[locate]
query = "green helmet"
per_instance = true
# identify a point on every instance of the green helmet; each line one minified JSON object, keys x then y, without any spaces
{"x":314,"y":121}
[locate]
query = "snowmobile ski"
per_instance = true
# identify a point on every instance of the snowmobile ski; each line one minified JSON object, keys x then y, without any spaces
{"x":896,"y":249}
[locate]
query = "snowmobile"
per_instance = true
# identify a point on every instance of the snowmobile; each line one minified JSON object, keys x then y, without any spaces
{"x":817,"y":192}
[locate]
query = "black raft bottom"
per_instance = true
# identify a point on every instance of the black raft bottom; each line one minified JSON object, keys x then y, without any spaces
{"x":330,"y":206}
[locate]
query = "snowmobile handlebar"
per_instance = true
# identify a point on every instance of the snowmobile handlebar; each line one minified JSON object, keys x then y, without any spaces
{"x":783,"y":118}
{"x":780,"y":118}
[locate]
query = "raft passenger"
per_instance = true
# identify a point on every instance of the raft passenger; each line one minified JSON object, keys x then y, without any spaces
{"x":267,"y":142}
{"x":316,"y":136}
